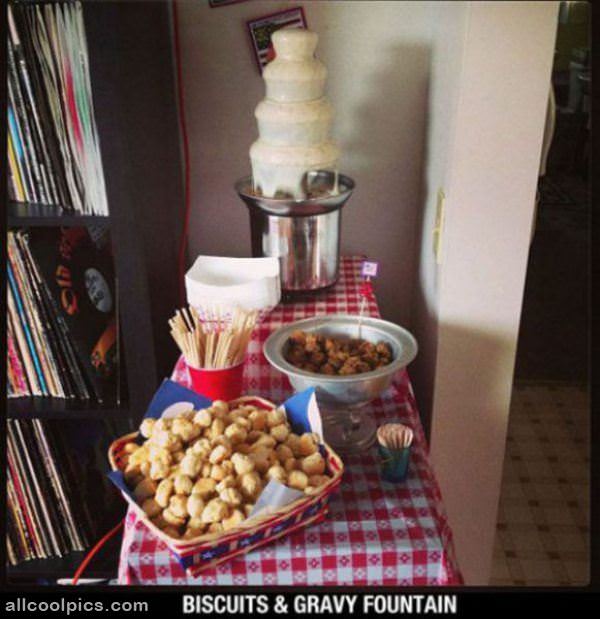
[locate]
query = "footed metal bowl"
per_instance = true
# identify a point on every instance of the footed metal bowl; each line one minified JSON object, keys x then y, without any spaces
{"x":341,"y":397}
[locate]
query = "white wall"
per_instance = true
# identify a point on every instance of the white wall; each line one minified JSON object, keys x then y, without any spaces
{"x":490,"y":176}
{"x":448,"y":47}
{"x":378,"y":59}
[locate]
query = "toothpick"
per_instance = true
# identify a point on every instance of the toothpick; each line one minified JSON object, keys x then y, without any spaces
{"x":214,"y":342}
{"x":361,"y":311}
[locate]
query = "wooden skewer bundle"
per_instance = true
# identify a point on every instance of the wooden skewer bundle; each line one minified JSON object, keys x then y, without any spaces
{"x":395,"y":435}
{"x":214,"y":343}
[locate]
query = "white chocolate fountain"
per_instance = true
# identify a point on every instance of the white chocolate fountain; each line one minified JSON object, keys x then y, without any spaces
{"x":294,"y":120}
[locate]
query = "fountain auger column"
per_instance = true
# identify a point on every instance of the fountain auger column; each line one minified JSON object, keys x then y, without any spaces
{"x":295,"y":194}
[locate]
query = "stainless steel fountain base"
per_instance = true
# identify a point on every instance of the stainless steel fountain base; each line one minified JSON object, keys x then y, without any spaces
{"x":307,"y":247}
{"x":303,"y":234}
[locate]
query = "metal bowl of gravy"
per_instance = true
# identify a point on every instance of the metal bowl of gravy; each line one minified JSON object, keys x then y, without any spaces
{"x":347,"y":429}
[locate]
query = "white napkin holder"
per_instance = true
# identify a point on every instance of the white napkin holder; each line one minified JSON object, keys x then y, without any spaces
{"x":216,"y":283}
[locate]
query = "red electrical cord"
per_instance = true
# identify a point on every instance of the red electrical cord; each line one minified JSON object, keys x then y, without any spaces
{"x":182,"y":244}
{"x":186,"y":155}
{"x":90,"y":555}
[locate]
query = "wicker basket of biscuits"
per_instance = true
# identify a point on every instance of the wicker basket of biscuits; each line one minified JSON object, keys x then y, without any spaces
{"x":217,"y":479}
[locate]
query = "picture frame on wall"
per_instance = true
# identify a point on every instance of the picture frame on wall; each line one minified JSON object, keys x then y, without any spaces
{"x":261,"y":29}
{"x":215,"y":4}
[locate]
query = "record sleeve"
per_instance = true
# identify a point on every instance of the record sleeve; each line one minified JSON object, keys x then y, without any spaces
{"x":59,"y":325}
{"x":18,"y":152}
{"x":19,"y":130}
{"x":15,"y":297}
{"x":31,"y":317}
{"x":22,"y":538}
{"x":32,"y":481}
{"x":15,"y":172}
{"x":23,"y":348}
{"x":22,"y":491}
{"x":22,"y":92}
{"x":40,"y":326}
{"x":85,"y":484}
{"x":11,"y":551}
{"x":16,"y":96}
{"x":80,"y":276}
{"x":21,"y":51}
{"x":14,"y":362}
{"x":56,"y":356}
{"x":24,"y":16}
{"x":48,"y":68}
{"x":51,"y":463}
{"x":53,"y":511}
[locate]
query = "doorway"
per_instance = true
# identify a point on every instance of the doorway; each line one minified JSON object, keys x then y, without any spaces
{"x":542,"y":533}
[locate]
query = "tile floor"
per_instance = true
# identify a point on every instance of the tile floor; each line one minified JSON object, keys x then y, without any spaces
{"x":543,"y":518}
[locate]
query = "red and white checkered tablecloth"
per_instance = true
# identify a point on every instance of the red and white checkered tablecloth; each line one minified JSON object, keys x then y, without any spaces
{"x":376,"y":533}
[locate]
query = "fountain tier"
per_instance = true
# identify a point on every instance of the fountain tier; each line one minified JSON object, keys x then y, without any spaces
{"x":294,"y":121}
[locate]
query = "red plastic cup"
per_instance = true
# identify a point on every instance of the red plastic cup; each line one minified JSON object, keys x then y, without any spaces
{"x":219,"y":384}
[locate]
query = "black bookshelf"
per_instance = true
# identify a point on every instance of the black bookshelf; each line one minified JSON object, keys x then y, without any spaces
{"x":132,"y":76}
{"x":58,"y":567}
{"x":27,"y":214}
{"x":135,"y":113}
{"x":101,"y":567}
{"x":103,"y":502}
{"x":58,"y":408}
